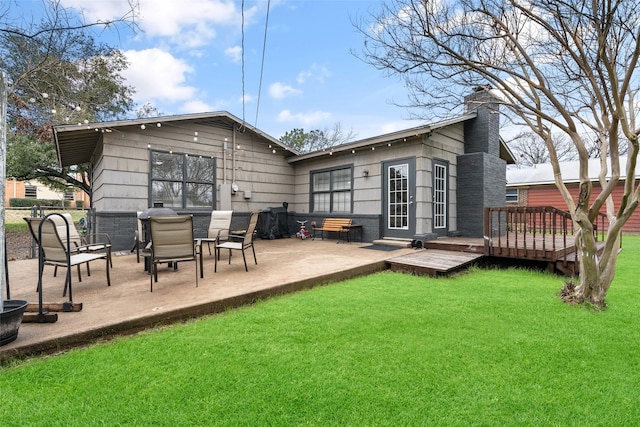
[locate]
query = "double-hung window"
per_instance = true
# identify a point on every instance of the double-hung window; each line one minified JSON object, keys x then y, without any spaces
{"x":331,"y":190}
{"x":180,"y":180}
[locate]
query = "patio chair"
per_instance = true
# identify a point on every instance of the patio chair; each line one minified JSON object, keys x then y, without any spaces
{"x":171,"y":241}
{"x":138,"y":237}
{"x":79,"y":243}
{"x":219,"y":227}
{"x":218,"y":231}
{"x":244,"y":244}
{"x":54,"y":244}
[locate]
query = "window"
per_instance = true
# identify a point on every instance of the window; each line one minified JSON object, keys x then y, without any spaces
{"x":30,"y":192}
{"x":181,"y":180}
{"x":69,"y":195}
{"x":331,"y":190}
{"x":512,"y":195}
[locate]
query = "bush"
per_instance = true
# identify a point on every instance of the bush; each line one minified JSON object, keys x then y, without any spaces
{"x":15,"y":202}
{"x":79,"y":204}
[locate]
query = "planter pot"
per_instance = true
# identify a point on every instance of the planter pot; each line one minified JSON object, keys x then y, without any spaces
{"x":10,"y":320}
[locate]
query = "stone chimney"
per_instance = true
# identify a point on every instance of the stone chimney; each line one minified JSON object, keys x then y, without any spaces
{"x":481,"y":172}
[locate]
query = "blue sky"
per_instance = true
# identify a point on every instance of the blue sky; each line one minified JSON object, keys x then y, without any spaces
{"x":186,"y":58}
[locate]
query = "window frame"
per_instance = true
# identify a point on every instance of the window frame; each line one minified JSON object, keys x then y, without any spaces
{"x":33,"y":189}
{"x":509,"y":198}
{"x":331,"y":191}
{"x":184,"y":180}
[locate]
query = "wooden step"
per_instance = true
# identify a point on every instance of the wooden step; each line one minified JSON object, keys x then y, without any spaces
{"x":398,"y":243}
{"x":432,"y":262}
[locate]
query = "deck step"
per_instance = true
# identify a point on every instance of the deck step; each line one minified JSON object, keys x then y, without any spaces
{"x":398,"y":243}
{"x":433,"y":262}
{"x":457,"y":244}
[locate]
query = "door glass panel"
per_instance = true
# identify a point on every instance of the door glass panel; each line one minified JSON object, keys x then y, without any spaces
{"x":398,"y":197}
{"x":439,"y":196}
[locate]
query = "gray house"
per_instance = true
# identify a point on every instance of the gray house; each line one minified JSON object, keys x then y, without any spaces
{"x":423,"y":182}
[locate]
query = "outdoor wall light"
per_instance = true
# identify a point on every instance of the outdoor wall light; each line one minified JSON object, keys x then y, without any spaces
{"x":365,"y":173}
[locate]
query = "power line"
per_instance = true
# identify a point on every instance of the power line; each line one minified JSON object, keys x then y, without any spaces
{"x":264,"y":49}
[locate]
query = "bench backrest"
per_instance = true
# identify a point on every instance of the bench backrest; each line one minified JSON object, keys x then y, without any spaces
{"x":335,"y":223}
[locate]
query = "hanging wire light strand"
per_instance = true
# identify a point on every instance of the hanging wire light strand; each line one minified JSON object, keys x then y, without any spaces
{"x":264,"y":49}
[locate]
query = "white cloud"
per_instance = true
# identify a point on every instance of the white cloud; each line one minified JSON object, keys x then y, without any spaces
{"x":304,"y":119}
{"x":197,"y":106}
{"x":234,"y":53}
{"x":188,"y":23}
{"x":280,"y":90}
{"x":394,"y":126}
{"x":157,"y":75}
{"x":316,"y":72}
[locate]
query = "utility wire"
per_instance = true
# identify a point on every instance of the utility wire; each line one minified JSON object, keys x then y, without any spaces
{"x":264,"y":49}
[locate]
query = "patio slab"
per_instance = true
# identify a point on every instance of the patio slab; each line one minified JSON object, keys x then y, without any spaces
{"x":128,"y":306}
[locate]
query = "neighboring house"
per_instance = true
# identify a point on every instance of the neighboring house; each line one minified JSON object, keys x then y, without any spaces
{"x":535,"y":186}
{"x":423,"y":182}
{"x":15,"y":189}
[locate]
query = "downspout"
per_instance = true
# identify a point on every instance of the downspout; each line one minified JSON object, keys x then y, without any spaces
{"x":224,"y":161}
{"x":233,"y":160}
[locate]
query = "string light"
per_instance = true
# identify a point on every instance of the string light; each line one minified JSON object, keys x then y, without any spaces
{"x":143,"y":127}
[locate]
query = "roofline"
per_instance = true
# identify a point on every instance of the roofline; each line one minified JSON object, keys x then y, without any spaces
{"x":181,"y":117}
{"x":385,"y":138}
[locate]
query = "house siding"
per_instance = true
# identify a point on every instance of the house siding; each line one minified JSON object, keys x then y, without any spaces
{"x":445,"y":144}
{"x":121,"y":175}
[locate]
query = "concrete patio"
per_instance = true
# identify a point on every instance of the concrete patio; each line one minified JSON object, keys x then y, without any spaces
{"x":128,"y":306}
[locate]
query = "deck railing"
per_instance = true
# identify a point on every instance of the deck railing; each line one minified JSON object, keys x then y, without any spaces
{"x":537,"y":232}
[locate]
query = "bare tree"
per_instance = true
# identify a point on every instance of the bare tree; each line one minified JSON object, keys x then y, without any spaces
{"x":556,"y":66}
{"x":530,"y":149}
{"x":58,"y":73}
{"x":317,"y":139}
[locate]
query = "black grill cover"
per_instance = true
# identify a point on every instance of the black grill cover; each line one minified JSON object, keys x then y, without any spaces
{"x":273,"y":223}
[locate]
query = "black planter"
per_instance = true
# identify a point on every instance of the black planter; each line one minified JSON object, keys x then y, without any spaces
{"x":10,"y":320}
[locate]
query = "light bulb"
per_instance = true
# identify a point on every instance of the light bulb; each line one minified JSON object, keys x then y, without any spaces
{"x":45,"y":95}
{"x":159,"y":124}
{"x":78,"y":108}
{"x":53,"y":111}
{"x":143,"y":127}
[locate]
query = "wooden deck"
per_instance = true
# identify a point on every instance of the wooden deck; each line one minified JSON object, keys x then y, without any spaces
{"x":543,"y":235}
{"x":432,"y":262}
{"x":451,"y":254}
{"x":527,"y":246}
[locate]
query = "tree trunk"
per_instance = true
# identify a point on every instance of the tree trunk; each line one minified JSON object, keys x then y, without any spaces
{"x":596,"y":272}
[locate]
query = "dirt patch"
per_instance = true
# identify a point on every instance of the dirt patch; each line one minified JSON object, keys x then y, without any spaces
{"x":18,"y":245}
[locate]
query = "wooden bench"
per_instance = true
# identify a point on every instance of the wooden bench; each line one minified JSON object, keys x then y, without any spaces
{"x":338,"y":225}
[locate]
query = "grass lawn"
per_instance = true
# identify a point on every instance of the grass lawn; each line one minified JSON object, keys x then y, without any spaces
{"x":485,"y":348}
{"x":15,"y":223}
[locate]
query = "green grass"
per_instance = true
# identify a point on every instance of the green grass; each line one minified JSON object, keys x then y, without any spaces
{"x":15,"y":223}
{"x":491,"y":347}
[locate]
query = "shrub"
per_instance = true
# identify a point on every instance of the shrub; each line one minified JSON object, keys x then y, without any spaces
{"x":15,"y":202}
